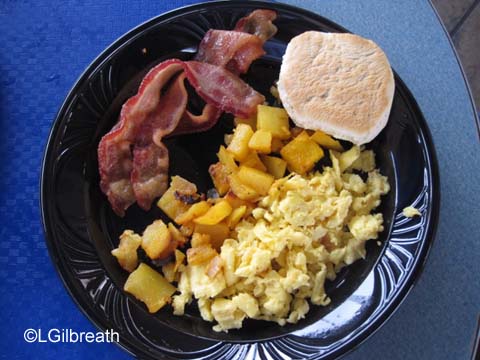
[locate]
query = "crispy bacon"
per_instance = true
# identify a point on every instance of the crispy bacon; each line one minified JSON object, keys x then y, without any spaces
{"x":133,"y":161}
{"x":236,"y":50}
{"x":258,"y":23}
{"x":114,"y":151}
{"x":221,"y":88}
{"x":231,"y":49}
{"x":197,"y":123}
{"x":149,"y":175}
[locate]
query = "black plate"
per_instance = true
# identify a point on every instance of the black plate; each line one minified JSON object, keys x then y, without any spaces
{"x":81,"y":229}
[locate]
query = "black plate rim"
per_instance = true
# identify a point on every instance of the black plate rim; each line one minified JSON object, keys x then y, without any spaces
{"x":431,"y":158}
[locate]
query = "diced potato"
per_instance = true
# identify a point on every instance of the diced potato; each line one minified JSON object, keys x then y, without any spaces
{"x":168,"y":271}
{"x":169,"y":203}
{"x":179,"y":257}
{"x":277,"y":145}
{"x":199,"y":239}
{"x":218,"y":233}
{"x":241,"y":190}
{"x":301,"y":154}
{"x":239,"y":144}
{"x":187,"y":229}
{"x":200,"y":254}
{"x":252,"y":121}
{"x":235,"y":201}
{"x":150,"y":287}
{"x":258,"y":180}
{"x":156,"y":240}
{"x":183,"y":186}
{"x":219,"y":174}
{"x":347,"y":158}
{"x":227,"y":139}
{"x":274,"y":120}
{"x":252,"y":160}
{"x":261,"y":141}
{"x":196,"y":210}
{"x":236,"y":216}
{"x":126,"y":253}
{"x":226,"y":158}
{"x":176,"y":234}
{"x":327,"y":141}
{"x":215,"y":214}
{"x":275,"y":166}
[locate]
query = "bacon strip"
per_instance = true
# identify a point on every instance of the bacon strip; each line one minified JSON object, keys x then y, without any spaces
{"x":114,"y":153}
{"x":231,"y":49}
{"x":236,"y":50}
{"x":221,"y":88}
{"x":149,"y":177}
{"x":258,"y":23}
{"x":197,"y":123}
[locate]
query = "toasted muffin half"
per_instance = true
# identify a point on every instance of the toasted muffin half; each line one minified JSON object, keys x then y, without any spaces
{"x":339,"y":83}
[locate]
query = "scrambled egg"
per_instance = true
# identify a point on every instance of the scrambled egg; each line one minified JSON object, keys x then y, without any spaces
{"x":302,"y":233}
{"x":410,"y":211}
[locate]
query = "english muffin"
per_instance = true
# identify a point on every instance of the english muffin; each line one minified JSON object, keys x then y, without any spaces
{"x":339,"y":83}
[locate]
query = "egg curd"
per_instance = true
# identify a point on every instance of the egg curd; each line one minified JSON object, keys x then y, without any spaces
{"x":277,"y":260}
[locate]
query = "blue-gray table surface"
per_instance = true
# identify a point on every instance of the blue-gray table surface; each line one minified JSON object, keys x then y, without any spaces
{"x":46,"y":45}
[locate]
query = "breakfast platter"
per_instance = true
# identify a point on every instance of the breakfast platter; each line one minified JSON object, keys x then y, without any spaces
{"x":211,"y":214}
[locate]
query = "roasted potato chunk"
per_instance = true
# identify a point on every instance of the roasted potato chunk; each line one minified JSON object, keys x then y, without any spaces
{"x":218,"y":233}
{"x":183,"y":186}
{"x":219,"y":174}
{"x":156,"y":240}
{"x":301,"y":154}
{"x":179,"y":257}
{"x":258,"y":180}
{"x":261,"y":141}
{"x":126,"y":253}
{"x":252,"y":121}
{"x":236,"y":215}
{"x":226,"y":158}
{"x":199,"y":239}
{"x":215,"y":214}
{"x":176,"y":235}
{"x":235,"y":201}
{"x":227,"y":139}
{"x":171,"y":201}
{"x":252,"y":160}
{"x":241,"y":190}
{"x":196,"y":210}
{"x":239,"y":144}
{"x":187,"y":229}
{"x":326,"y":141}
{"x":275,"y":166}
{"x":277,"y":145}
{"x":150,"y":287}
{"x":273,"y":120}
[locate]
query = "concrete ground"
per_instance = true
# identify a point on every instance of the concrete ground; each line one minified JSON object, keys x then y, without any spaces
{"x":462,"y":21}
